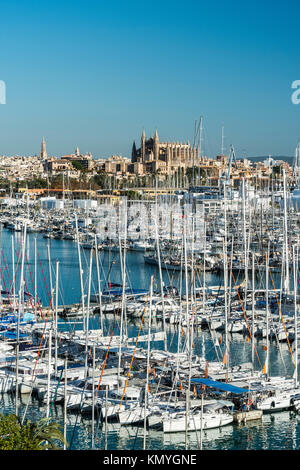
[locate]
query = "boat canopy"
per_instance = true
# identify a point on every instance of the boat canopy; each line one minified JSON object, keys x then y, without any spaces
{"x":220,"y":385}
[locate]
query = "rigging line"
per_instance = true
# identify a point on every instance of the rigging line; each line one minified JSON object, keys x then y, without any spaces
{"x":106,"y":355}
{"x":50,"y":298}
{"x":125,"y":386}
{"x":55,"y":392}
{"x":78,"y":412}
{"x":18,"y":257}
{"x":11,"y":286}
{"x":37,"y":357}
{"x":29,"y":295}
{"x":242,"y":308}
{"x":17,"y":305}
{"x":287,"y":337}
{"x":5,"y":288}
{"x":34,"y":287}
{"x":279,"y":345}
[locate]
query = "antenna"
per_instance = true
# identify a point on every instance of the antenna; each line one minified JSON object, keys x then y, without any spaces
{"x":222,"y":144}
{"x":200,"y":147}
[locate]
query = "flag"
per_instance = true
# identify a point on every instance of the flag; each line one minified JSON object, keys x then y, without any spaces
{"x":265,"y":348}
{"x":195,"y":392}
{"x":224,"y":358}
{"x":220,"y":340}
{"x":265,"y":369}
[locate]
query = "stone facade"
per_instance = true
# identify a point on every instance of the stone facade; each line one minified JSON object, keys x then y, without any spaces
{"x":163,"y":157}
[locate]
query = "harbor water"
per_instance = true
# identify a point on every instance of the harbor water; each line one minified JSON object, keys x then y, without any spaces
{"x":275,"y":431}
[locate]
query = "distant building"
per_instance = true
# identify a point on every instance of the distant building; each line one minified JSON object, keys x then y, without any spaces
{"x":85,"y":160}
{"x":164,"y":157}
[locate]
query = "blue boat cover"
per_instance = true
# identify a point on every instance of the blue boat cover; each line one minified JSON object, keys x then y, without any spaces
{"x":221,"y":386}
{"x":118,"y":292}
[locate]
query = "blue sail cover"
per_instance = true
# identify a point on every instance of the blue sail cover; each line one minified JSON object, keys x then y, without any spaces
{"x":221,"y":386}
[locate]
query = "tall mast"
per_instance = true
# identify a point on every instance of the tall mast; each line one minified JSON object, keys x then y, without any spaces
{"x":200,"y":148}
{"x":160,"y":274}
{"x":88,"y":312}
{"x":20,"y":309}
{"x":222,"y":142}
{"x":80,"y":271}
{"x":49,"y":373}
{"x":225,"y":307}
{"x":295,"y":316}
{"x":35,"y":275}
{"x":123,"y":307}
{"x":13,"y":272}
{"x":287,"y":274}
{"x":99,"y":283}
{"x":267,"y":313}
{"x":253,"y":300}
{"x":56,"y":309}
{"x":148,"y":361}
{"x":50,"y":272}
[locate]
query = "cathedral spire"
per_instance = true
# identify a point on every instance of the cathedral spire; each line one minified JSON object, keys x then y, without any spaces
{"x":143,"y":145}
{"x":133,"y":153}
{"x":43,"y":154}
{"x":156,"y":145}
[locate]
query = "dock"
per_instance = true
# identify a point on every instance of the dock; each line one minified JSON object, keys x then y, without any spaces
{"x":244,"y":416}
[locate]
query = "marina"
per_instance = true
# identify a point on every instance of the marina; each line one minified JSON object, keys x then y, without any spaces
{"x":202,"y":338}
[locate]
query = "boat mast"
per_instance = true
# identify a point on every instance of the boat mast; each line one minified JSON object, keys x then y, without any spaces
{"x":13,"y":272}
{"x":80,"y":272}
{"x":287,"y":275}
{"x":35,"y":276}
{"x":295,"y":318}
{"x":21,"y":308}
{"x":148,"y":363}
{"x":160,"y":272}
{"x":267,"y":314}
{"x":65,"y":402}
{"x":99,"y":283}
{"x":253,"y":300}
{"x":123,"y":306}
{"x":56,"y":308}
{"x":50,"y":272}
{"x":49,"y":373}
{"x":88,"y":313}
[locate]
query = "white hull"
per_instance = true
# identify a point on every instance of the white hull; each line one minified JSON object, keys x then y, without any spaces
{"x":209,"y":421}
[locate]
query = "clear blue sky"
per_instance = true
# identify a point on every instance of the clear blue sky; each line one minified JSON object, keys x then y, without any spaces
{"x":93,"y":74}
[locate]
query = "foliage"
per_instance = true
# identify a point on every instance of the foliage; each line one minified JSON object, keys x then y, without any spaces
{"x":28,"y":436}
{"x":78,"y":166}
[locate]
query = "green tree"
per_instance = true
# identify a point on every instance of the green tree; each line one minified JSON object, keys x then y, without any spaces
{"x":41,"y":435}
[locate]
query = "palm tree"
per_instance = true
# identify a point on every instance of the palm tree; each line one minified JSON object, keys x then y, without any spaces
{"x":42,"y":435}
{"x":47,"y":433}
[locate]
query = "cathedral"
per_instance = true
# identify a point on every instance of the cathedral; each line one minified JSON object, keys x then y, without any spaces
{"x":163,"y":157}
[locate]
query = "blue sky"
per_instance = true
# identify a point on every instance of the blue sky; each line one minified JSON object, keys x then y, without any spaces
{"x":93,"y":74}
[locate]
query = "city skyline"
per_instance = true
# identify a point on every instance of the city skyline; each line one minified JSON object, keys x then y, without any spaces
{"x":95,"y":77}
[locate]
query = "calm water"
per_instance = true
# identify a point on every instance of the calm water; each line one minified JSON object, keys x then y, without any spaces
{"x":277,"y":431}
